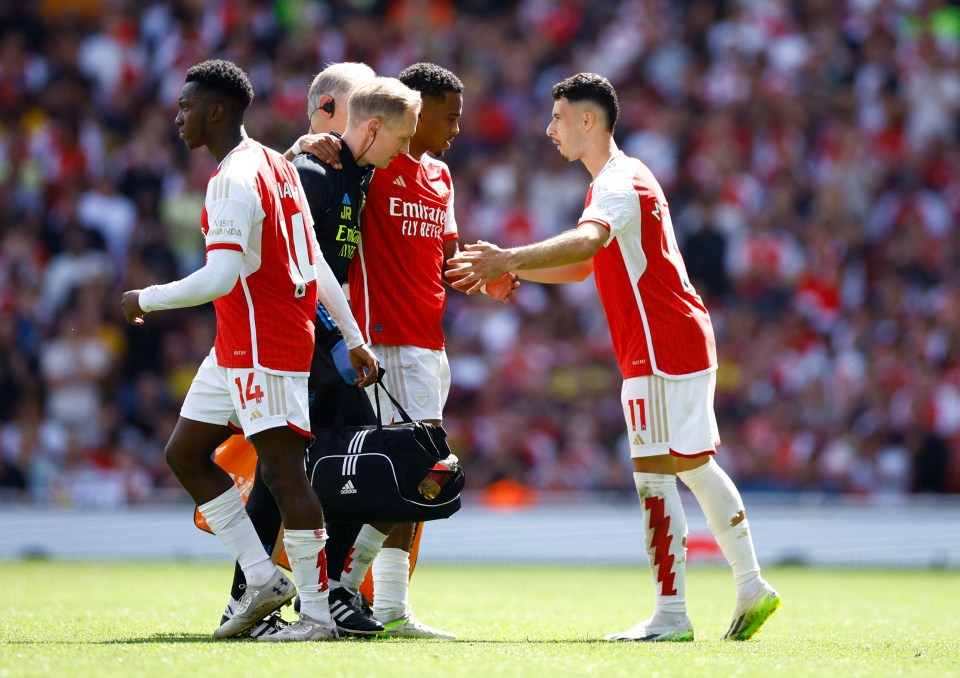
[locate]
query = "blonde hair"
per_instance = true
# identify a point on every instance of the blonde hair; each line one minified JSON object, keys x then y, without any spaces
{"x":338,"y":81}
{"x":384,"y":98}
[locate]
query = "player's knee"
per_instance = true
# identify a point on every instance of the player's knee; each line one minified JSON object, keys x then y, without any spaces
{"x":280,"y":481}
{"x":660,"y":464}
{"x":174,"y":457}
{"x":270,"y":477}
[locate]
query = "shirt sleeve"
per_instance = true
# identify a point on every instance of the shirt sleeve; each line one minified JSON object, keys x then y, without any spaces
{"x":233,"y":208}
{"x":214,"y":280}
{"x":450,"y":225}
{"x":614,"y":209}
{"x":332,"y":298}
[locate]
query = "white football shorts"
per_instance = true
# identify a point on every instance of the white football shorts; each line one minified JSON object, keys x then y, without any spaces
{"x":247,"y":400}
{"x":419,"y":378}
{"x":670,"y":416}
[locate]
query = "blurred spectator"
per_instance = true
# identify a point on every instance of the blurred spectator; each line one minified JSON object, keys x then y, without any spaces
{"x":810,"y":152}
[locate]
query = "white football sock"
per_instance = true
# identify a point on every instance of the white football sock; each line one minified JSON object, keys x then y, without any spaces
{"x":721,"y":503}
{"x":228,"y":519}
{"x":365,"y":549}
{"x":665,"y":540}
{"x":391,"y":581}
{"x":308,"y":561}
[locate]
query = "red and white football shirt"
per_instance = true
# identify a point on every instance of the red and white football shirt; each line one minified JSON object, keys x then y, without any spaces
{"x":657,"y":320}
{"x":255,"y":204}
{"x":396,"y":282}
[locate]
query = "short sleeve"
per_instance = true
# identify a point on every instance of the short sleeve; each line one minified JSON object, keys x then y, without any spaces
{"x":450,"y":224}
{"x":233,"y":208}
{"x":616,"y":209}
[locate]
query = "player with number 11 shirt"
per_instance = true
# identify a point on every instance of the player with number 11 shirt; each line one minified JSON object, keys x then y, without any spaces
{"x":664,"y":342}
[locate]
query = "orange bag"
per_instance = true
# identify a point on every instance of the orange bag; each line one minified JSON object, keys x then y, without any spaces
{"x":238,"y":458}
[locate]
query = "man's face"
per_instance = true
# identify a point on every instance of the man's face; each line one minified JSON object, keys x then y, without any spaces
{"x":192,"y":116}
{"x":393,"y":138}
{"x":439,"y":122}
{"x":566,"y":129}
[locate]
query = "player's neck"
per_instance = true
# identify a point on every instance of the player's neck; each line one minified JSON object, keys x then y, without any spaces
{"x":598,"y":155}
{"x":416,"y":150}
{"x":228,"y":141}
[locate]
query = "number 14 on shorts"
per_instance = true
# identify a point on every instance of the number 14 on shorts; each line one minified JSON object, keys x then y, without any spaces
{"x":253,"y":391}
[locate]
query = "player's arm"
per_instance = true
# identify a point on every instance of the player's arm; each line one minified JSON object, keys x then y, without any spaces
{"x":233,"y":209}
{"x":483,"y":262}
{"x":331,"y":296}
{"x":214,"y":280}
{"x":560,"y":274}
{"x":326,"y":147}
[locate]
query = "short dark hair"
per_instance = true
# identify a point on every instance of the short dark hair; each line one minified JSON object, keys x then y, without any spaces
{"x":224,"y":78}
{"x":431,"y":80}
{"x":593,"y":88}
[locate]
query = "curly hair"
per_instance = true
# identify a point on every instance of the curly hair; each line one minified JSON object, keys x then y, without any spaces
{"x":224,"y":78}
{"x":593,"y":88}
{"x":431,"y":80}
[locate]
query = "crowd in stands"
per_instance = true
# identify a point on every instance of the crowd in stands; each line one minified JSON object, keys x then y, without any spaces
{"x":809,"y":149}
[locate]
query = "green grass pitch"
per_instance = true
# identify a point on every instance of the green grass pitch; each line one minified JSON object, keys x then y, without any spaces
{"x":136,"y":619}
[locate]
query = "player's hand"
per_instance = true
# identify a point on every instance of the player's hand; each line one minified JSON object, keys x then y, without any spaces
{"x":325,"y":147}
{"x":504,"y":287}
{"x":130,"y":303}
{"x":366,"y":365}
{"x":477,"y":265}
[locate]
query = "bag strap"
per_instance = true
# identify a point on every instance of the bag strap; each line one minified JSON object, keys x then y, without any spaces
{"x":338,"y":418}
{"x":376,"y":396}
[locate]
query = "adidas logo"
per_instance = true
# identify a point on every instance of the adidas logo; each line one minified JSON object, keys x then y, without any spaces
{"x":399,"y":182}
{"x":637,"y":440}
{"x":257,"y":414}
{"x":348,"y":488}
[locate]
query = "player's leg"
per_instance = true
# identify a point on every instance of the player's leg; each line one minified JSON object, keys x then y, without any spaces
{"x":202,"y":426}
{"x":280,"y":451}
{"x":274,"y":414}
{"x":265,"y":516}
{"x":420,"y":380}
{"x":723,"y":507}
{"x":330,"y":395}
{"x":366,"y":588}
{"x":366,"y":544}
{"x":346,"y":606}
{"x":219,"y":500}
{"x":391,"y":577}
{"x":645,"y":404}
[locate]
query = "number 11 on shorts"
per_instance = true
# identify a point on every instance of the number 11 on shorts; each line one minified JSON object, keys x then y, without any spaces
{"x":254,"y":391}
{"x":637,"y":411}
